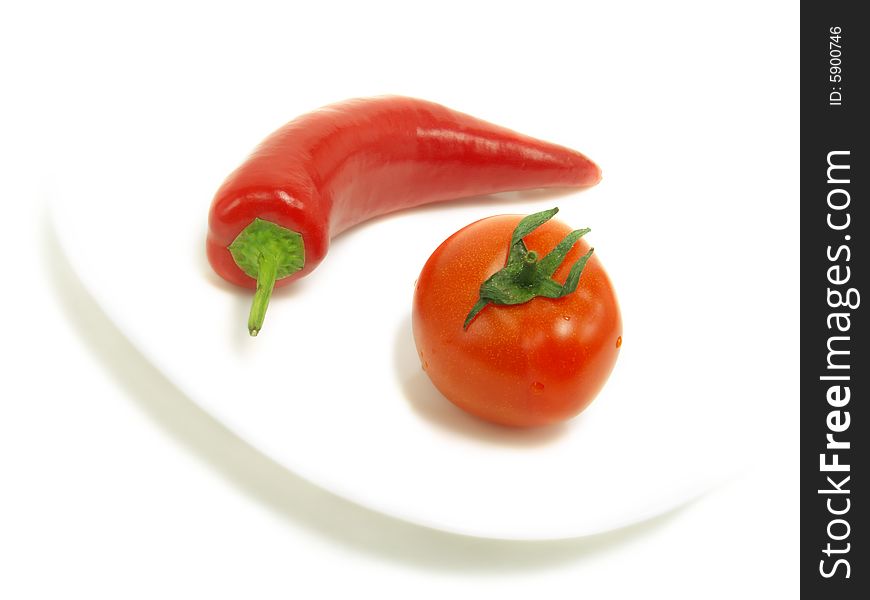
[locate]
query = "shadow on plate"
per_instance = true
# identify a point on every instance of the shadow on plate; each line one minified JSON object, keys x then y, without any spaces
{"x":301,"y":503}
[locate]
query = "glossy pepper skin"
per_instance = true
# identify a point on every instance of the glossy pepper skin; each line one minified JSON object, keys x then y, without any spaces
{"x":330,"y":169}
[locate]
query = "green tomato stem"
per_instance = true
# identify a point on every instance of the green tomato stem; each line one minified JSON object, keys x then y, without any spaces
{"x":266,"y":273}
{"x":526,"y":276}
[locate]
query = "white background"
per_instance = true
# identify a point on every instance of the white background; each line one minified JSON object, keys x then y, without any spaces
{"x":111,"y":485}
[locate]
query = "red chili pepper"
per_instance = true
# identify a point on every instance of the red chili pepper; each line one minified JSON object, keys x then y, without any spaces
{"x":271,"y":221}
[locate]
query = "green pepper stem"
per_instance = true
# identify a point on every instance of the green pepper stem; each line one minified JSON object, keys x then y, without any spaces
{"x":266,"y":274}
{"x":530,"y":265}
{"x":266,"y":252}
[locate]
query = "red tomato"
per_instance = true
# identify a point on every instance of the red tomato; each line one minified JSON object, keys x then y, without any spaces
{"x":520,"y":365}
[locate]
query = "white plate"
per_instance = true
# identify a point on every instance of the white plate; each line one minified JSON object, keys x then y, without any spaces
{"x":694,"y":221}
{"x":332,"y":388}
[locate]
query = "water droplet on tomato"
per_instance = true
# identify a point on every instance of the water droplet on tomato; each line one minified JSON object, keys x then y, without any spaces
{"x":425,"y":365}
{"x":566,"y":317}
{"x":619,"y":341}
{"x":537,"y":387}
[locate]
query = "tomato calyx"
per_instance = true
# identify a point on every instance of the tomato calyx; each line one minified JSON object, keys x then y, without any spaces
{"x":524,"y":276}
